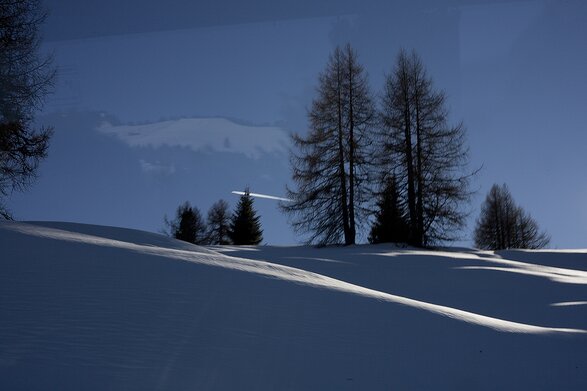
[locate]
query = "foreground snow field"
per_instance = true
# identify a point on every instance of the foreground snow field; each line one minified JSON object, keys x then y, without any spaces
{"x":100,"y":308}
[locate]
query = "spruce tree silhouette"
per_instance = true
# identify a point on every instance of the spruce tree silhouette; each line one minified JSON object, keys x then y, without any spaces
{"x":245,"y":226}
{"x":390,"y":224}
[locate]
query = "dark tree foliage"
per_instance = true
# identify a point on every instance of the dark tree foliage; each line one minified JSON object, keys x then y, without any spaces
{"x":331,"y":165}
{"x":502,"y":224}
{"x":218,"y":223}
{"x":390,"y":223}
{"x":188,"y":225}
{"x":427,"y":155}
{"x":245,"y":226}
{"x":25,"y":79}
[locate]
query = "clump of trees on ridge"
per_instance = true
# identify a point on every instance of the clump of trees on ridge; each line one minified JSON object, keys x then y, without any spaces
{"x":392,"y":156}
{"x":243,"y":227}
{"x":360,"y":147}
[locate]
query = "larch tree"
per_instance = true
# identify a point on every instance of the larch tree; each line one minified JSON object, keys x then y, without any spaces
{"x":219,"y":223}
{"x":26,"y":77}
{"x":502,"y":224}
{"x":425,"y":153}
{"x":245,"y":225}
{"x":331,"y":164}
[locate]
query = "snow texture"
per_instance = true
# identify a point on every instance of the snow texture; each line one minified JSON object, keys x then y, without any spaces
{"x":103,"y":308}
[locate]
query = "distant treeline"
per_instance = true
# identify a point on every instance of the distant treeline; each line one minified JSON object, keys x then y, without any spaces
{"x":243,"y":227}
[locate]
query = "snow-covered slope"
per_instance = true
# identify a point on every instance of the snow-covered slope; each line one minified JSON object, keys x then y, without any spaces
{"x":101,"y":308}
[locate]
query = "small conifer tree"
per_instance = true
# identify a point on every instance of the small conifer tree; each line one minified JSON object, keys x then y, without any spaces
{"x":245,"y":227}
{"x":390,"y":224}
{"x":188,"y":225}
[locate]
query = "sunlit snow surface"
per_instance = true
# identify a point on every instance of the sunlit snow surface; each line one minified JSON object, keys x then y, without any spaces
{"x":102,"y":308}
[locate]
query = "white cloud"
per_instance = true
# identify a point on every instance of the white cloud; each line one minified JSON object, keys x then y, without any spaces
{"x":217,"y":134}
{"x":156,"y":168}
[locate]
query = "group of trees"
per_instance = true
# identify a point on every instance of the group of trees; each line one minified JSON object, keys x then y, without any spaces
{"x":241,"y":228}
{"x":25,"y":79}
{"x":401,"y":150}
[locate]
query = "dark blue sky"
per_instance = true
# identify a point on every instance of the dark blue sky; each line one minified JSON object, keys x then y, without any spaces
{"x":137,"y":80}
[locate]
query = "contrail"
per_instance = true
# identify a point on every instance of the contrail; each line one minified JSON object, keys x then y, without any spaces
{"x":269,"y":197}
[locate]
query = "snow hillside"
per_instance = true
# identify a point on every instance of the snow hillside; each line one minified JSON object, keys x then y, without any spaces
{"x":102,"y":308}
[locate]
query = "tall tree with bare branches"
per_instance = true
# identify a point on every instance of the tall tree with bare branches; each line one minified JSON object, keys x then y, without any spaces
{"x":427,"y":155}
{"x":331,"y":164}
{"x":25,"y":79}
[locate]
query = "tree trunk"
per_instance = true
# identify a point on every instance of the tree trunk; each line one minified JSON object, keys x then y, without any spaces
{"x":343,"y":189}
{"x":409,"y":158}
{"x":352,"y":229}
{"x":419,"y":202}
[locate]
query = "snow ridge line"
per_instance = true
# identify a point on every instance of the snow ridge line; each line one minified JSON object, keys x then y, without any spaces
{"x":211,"y":258}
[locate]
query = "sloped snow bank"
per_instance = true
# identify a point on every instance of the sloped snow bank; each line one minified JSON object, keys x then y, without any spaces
{"x":86,"y":307}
